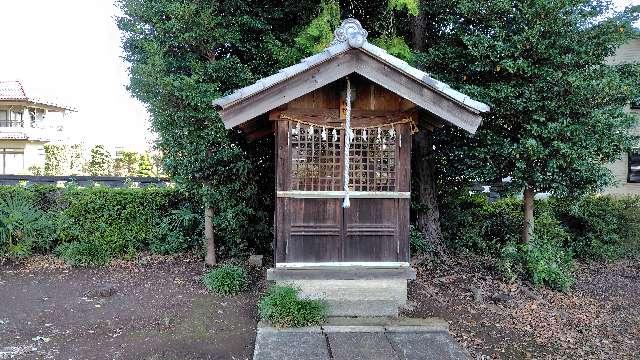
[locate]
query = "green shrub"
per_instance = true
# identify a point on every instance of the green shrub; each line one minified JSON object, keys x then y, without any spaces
{"x":544,"y":260}
{"x":472,"y":223}
{"x":282,"y":307}
{"x":23,"y":227}
{"x":90,"y":226}
{"x":180,"y":230}
{"x":601,"y":227}
{"x":113,"y":222}
{"x":83,"y":253}
{"x":417,"y":243}
{"x":226,"y":279}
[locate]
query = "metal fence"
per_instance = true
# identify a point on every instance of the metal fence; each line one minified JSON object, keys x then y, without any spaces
{"x":85,"y":181}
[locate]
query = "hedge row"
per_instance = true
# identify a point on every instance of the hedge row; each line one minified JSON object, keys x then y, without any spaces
{"x":591,"y":228}
{"x":90,"y":226}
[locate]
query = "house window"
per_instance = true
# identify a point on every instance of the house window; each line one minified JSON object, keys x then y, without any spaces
{"x":11,"y":118}
{"x":11,"y":160}
{"x":633,"y":172}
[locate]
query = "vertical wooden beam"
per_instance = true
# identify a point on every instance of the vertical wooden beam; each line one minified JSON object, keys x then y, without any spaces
{"x":404,"y":184}
{"x":282,"y":183}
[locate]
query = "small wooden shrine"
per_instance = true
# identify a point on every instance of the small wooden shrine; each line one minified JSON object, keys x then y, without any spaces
{"x":343,"y":121}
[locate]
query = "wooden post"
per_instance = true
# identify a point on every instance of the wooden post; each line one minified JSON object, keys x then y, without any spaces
{"x":210,"y":258}
{"x":527,"y":228}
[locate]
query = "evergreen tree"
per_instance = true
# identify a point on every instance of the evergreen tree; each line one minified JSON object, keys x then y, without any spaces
{"x":126,"y":163}
{"x":100,"y":163}
{"x":145,"y":167}
{"x":183,"y":55}
{"x":558,"y":110}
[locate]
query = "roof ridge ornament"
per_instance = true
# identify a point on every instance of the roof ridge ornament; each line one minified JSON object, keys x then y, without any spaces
{"x":351,"y":32}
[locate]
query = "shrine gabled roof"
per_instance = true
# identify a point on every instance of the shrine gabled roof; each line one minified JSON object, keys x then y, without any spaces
{"x":351,"y":38}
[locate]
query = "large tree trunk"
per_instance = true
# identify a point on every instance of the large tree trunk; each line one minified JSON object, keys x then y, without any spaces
{"x":428,"y":214}
{"x":527,"y":228}
{"x":418,"y":29}
{"x":210,"y":258}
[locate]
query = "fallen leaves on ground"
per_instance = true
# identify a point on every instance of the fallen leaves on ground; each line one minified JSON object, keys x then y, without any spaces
{"x":599,"y":318}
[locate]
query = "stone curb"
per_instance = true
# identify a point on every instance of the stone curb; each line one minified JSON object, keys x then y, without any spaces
{"x":266,"y":328}
{"x":366,"y":326}
{"x":414,"y":329}
{"x":352,"y":328}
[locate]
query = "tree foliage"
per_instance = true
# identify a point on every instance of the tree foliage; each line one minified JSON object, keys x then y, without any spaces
{"x":558,"y":110}
{"x":183,"y":55}
{"x":100,"y":163}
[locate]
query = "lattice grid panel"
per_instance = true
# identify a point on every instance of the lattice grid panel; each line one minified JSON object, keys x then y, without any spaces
{"x":373,"y":162}
{"x":315,"y":163}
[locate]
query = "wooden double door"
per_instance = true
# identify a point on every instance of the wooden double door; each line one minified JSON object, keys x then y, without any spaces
{"x":311,"y":224}
{"x":321,"y":230}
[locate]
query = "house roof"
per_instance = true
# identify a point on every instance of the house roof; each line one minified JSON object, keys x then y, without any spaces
{"x":14,"y":91}
{"x":350,"y":52}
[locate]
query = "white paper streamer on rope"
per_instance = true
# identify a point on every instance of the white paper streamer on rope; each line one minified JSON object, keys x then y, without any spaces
{"x":348,"y":136}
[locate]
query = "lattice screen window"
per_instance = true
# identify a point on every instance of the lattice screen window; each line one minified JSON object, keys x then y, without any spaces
{"x":315,"y":163}
{"x":372,"y":162}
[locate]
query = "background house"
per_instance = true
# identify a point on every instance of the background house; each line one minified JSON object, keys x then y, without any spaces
{"x":26,"y":124}
{"x":627,"y":170}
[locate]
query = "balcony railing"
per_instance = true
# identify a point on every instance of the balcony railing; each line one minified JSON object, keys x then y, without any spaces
{"x":12,"y":123}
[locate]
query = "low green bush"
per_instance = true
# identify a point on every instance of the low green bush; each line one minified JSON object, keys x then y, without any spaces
{"x":473,"y":223}
{"x":112,"y":222}
{"x":226,"y":279}
{"x":417,"y":243}
{"x":601,"y":227}
{"x":23,"y":227}
{"x":90,"y":226}
{"x":544,"y":260}
{"x":176,"y":232}
{"x":282,"y":307}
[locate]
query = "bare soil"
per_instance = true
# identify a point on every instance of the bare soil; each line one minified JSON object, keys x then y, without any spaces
{"x":599,"y":318}
{"x":157,"y":308}
{"x":153,"y":308}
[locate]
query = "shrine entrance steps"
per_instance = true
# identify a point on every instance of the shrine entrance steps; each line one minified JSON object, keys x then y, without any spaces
{"x":351,"y":291}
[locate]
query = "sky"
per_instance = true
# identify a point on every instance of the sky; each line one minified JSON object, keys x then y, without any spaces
{"x":69,"y":51}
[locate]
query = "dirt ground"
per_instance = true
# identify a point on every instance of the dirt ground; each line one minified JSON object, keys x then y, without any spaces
{"x":157,"y":308}
{"x":598,"y":319}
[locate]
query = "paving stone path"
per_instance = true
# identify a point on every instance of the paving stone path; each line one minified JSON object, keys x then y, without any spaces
{"x":360,"y":339}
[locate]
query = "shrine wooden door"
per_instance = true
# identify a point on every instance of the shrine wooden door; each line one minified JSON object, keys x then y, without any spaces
{"x":312,"y":227}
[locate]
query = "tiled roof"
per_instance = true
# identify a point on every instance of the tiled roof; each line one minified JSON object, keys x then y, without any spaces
{"x":340,"y":46}
{"x":13,"y":90}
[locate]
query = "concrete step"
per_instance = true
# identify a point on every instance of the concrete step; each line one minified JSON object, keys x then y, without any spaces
{"x":363,"y":307}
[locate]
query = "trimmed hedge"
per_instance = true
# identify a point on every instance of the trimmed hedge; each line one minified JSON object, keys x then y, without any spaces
{"x":91,"y":226}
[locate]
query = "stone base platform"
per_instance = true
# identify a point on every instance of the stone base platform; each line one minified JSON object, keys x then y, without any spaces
{"x":360,"y":339}
{"x":350,"y":291}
